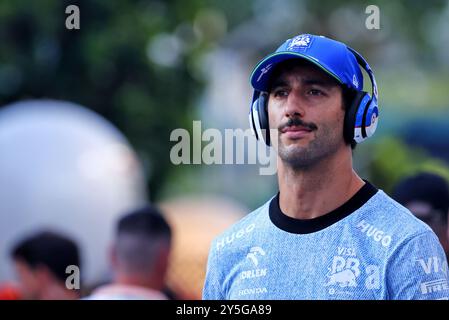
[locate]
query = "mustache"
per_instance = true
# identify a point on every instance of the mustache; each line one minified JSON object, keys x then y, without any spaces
{"x":299,"y":123}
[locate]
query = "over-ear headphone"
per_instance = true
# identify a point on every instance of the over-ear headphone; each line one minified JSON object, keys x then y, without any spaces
{"x":361,"y":116}
{"x":258,"y":117}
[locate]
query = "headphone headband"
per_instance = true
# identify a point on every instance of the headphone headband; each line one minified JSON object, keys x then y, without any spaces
{"x":362,"y":62}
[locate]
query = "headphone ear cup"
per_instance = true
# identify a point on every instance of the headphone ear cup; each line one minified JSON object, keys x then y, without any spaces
{"x":262,"y":104}
{"x":361,"y":122}
{"x":255,"y":121}
{"x":350,"y":117}
{"x":251,"y":117}
{"x":371,"y":118}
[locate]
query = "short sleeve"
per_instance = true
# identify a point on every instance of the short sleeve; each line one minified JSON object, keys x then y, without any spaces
{"x":418,"y":270}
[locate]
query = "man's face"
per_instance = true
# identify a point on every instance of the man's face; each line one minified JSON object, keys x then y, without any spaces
{"x":305,"y":106}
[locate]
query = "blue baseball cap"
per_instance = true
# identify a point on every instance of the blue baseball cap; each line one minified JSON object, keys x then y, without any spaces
{"x":331,"y":56}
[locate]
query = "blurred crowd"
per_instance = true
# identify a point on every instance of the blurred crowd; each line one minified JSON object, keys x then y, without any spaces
{"x":76,"y":221}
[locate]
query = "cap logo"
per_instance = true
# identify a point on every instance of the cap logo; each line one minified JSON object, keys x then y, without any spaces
{"x":263,"y":71}
{"x":355,"y":82}
{"x":300,"y":42}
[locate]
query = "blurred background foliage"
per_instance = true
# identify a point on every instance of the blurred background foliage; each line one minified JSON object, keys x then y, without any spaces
{"x":152,"y":66}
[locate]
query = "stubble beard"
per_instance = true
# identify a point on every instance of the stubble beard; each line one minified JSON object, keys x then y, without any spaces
{"x":297,"y":157}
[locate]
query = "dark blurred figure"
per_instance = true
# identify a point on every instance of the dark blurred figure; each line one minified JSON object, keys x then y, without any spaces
{"x":41,"y":261}
{"x":426,"y":195}
{"x":139,"y":258}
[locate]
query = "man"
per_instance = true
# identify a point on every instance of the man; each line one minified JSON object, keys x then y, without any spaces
{"x":41,"y":263}
{"x":426,"y":195}
{"x":327,"y":234}
{"x":139,"y":258}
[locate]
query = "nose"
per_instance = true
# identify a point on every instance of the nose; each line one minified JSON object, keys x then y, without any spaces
{"x":294,"y":105}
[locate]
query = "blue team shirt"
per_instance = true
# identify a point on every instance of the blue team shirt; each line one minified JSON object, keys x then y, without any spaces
{"x":369,"y":248}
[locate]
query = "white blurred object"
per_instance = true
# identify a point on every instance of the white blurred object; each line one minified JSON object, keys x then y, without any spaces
{"x":64,"y":168}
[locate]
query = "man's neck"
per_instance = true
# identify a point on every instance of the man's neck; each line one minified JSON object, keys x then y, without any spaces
{"x":316,"y":190}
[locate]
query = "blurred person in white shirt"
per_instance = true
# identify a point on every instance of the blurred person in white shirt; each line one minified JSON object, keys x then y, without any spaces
{"x":139,"y":258}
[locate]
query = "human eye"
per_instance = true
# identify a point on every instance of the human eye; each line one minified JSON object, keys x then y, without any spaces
{"x":280,"y":92}
{"x":315,"y":92}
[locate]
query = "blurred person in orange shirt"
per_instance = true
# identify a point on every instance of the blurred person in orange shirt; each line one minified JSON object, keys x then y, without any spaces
{"x":139,"y":258}
{"x":41,"y":261}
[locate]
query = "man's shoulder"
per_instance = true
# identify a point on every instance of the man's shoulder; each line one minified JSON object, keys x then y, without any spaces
{"x":241,"y":231}
{"x":392,"y":218}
